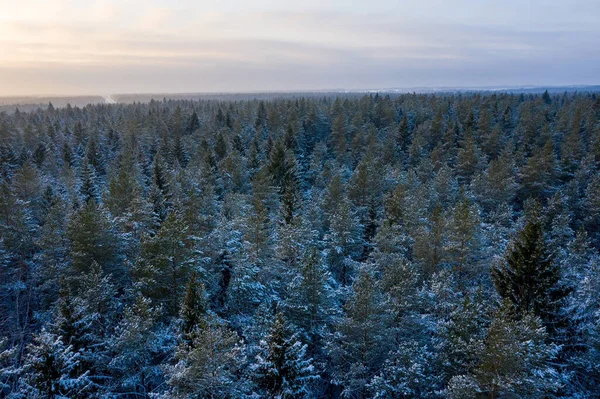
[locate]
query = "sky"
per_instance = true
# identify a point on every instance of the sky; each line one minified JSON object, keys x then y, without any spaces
{"x":64,"y":47}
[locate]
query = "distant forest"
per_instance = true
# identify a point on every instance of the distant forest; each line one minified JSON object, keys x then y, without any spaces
{"x":359,"y":246}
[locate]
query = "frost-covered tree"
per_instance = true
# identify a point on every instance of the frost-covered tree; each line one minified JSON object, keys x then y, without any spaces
{"x":361,"y":340}
{"x":165,"y":262}
{"x":209,"y":366}
{"x":530,"y":279}
{"x":51,"y":370}
{"x":515,"y":360}
{"x":281,"y":368}
{"x":311,"y":303}
{"x":407,"y":373}
{"x":93,"y":238}
{"x":139,"y":346}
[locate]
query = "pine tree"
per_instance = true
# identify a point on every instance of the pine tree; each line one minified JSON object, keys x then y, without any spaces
{"x":28,"y":188}
{"x":399,"y":282}
{"x":499,"y":185}
{"x":394,"y":206}
{"x":537,"y":176}
{"x":431,"y":242}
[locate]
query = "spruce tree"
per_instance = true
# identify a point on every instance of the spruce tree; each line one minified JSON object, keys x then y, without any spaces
{"x":281,"y":368}
{"x":193,"y":123}
{"x":514,"y":361}
{"x":361,"y":340}
{"x":193,"y":308}
{"x":165,"y":263}
{"x":209,"y":366}
{"x":93,"y":238}
{"x":138,"y":347}
{"x":311,"y":304}
{"x":51,"y":370}
{"x":529,"y":278}
{"x":89,"y":189}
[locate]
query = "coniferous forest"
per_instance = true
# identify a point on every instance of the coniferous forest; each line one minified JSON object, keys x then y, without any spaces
{"x":320,"y":246}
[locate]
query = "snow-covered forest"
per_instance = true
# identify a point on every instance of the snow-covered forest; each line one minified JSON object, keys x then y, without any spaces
{"x":349,"y":246}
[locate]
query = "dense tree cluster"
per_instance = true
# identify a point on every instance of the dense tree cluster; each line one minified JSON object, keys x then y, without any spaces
{"x":376,"y":246}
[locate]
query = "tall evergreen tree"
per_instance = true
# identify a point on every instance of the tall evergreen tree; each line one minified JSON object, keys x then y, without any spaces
{"x":361,"y":340}
{"x":193,"y":308}
{"x":92,"y":239}
{"x":165,"y":263}
{"x":281,"y":368}
{"x":529,"y":279}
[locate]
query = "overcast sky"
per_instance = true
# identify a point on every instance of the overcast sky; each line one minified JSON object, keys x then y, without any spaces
{"x":105,"y":46}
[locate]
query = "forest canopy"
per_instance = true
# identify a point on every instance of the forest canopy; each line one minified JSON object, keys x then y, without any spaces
{"x":372,"y":246}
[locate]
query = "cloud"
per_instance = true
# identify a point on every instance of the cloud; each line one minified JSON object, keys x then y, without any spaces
{"x":108,"y":44}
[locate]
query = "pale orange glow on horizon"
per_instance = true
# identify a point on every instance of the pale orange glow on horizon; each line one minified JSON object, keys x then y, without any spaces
{"x":80,"y":47}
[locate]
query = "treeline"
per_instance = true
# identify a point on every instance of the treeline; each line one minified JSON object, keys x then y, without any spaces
{"x":410,"y":246}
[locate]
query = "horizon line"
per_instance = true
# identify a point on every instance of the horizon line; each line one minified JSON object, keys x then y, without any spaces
{"x":407,"y":89}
